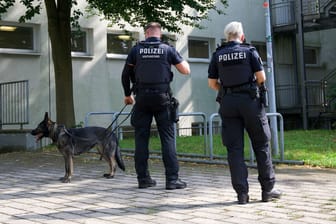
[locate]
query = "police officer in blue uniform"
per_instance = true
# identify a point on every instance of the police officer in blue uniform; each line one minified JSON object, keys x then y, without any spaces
{"x":236,"y":71}
{"x":148,"y":67}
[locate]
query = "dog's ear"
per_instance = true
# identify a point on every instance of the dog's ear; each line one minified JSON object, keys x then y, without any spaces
{"x":46,"y":117}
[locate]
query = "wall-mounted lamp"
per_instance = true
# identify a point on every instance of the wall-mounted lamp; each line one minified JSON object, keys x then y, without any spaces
{"x":124,"y":37}
{"x":8,"y":28}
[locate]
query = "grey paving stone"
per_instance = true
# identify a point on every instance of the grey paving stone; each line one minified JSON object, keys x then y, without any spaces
{"x":30,"y":192}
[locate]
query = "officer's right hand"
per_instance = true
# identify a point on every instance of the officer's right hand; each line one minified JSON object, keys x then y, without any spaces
{"x":128,"y":100}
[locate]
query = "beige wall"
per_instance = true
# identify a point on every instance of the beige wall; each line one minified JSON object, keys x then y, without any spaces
{"x":97,"y":85}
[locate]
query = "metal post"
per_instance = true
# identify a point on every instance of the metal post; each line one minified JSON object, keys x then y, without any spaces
{"x":1,"y":106}
{"x":212,"y":116}
{"x":302,"y":66}
{"x":270,"y":77}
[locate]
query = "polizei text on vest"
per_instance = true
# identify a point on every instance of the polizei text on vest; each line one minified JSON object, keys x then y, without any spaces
{"x":232,"y":56}
{"x":151,"y":51}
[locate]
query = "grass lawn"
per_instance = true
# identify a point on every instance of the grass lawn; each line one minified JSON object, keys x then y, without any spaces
{"x":314,"y":147}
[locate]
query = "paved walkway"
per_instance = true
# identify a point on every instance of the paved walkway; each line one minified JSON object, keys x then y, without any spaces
{"x":31,"y":193}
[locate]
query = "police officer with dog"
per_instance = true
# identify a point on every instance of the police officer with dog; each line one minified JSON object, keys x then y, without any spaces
{"x":237,"y":73}
{"x":148,"y":68}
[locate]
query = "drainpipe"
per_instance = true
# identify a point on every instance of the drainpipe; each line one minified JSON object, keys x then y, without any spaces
{"x":302,"y":66}
{"x":270,"y":78}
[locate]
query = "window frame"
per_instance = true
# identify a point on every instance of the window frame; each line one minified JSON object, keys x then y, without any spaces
{"x":172,"y":39}
{"x":257,"y":45}
{"x":36,"y":39}
{"x":317,"y":56}
{"x":134,"y":35}
{"x":211,"y":42}
{"x":89,"y":43}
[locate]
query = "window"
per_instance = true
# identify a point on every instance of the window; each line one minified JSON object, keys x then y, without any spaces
{"x":311,"y":56}
{"x":78,"y":41}
{"x":168,"y":38}
{"x":120,"y":43}
{"x":81,"y":42}
{"x":199,"y":48}
{"x":18,"y":38}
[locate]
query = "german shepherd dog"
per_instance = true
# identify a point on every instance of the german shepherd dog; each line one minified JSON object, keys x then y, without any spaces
{"x":75,"y":141}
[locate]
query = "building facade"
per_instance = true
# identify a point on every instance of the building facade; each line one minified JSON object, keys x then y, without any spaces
{"x":100,"y":50}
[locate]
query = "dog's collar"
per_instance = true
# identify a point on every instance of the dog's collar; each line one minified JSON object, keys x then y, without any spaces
{"x":55,"y":130}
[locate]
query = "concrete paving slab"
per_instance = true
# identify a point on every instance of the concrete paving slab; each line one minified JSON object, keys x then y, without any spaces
{"x":30,"y":192}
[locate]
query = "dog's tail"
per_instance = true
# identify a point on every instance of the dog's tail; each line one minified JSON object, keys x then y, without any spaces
{"x":119,"y":159}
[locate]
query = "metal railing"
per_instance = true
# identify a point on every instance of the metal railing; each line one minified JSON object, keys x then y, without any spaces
{"x":314,"y":7}
{"x":310,"y":7}
{"x":252,"y":159}
{"x":316,"y":91}
{"x":90,"y":114}
{"x":14,"y":103}
{"x":283,"y":13}
{"x":288,"y":96}
{"x":177,"y":130}
{"x":208,"y":135}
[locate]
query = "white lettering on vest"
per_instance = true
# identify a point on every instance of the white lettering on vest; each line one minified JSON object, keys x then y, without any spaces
{"x":232,"y":56}
{"x":151,"y":51}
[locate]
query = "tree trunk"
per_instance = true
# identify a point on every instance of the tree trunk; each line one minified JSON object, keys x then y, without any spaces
{"x":59,"y":29}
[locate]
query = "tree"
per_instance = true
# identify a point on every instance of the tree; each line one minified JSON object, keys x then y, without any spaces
{"x":62,"y":16}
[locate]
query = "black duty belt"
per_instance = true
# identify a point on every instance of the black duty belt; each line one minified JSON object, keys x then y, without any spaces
{"x":245,"y":88}
{"x":151,"y":91}
{"x":153,"y":88}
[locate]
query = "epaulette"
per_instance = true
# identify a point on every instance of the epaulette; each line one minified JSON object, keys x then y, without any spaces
{"x":152,"y":43}
{"x":167,"y":43}
{"x":245,"y":44}
{"x":248,"y":45}
{"x":224,"y":44}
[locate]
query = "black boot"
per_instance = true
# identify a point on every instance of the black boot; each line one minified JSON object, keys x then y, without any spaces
{"x":146,"y":182}
{"x":267,"y":196}
{"x":175,"y":184}
{"x":243,"y":198}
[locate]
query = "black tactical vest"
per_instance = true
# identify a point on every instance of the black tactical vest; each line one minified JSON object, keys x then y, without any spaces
{"x":233,"y":62}
{"x":152,"y":66}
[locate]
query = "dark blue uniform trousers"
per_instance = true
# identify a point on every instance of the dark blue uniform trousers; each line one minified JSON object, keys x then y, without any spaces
{"x":239,"y":111}
{"x":141,"y":120}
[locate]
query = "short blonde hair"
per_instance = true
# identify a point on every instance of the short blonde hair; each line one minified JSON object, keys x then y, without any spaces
{"x":233,"y":30}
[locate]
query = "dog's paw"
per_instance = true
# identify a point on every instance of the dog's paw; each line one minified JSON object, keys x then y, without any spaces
{"x":108,"y":176}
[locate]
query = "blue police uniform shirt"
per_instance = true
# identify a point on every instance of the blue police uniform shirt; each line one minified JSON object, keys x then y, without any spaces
{"x":174,"y":57}
{"x":153,"y":58}
{"x":234,"y":64}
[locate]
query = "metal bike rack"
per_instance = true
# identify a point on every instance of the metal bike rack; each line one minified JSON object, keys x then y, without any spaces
{"x":281,"y":140}
{"x":208,"y":156}
{"x":212,"y":116}
{"x":87,"y":116}
{"x":205,"y":126}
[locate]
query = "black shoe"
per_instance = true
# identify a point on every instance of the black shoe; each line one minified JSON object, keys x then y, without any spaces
{"x":243,"y":198}
{"x":146,"y":182}
{"x":175,"y":184}
{"x":270,"y":195}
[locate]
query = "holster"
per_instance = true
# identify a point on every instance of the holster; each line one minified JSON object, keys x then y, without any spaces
{"x":263,"y":95}
{"x":174,"y":104}
{"x":254,"y":91}
{"x":220,"y":95}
